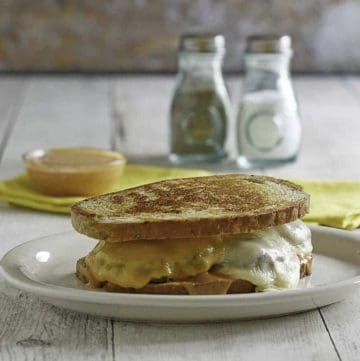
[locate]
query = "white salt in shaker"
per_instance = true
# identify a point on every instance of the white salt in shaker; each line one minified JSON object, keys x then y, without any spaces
{"x":268,"y":122}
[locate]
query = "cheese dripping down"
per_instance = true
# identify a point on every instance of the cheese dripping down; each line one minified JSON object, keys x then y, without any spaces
{"x":269,"y":259}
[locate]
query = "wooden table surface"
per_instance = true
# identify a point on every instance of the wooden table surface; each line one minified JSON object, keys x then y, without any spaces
{"x":77,"y":110}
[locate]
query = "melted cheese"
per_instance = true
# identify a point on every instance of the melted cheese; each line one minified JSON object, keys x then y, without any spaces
{"x":135,"y":264}
{"x":269,"y":258}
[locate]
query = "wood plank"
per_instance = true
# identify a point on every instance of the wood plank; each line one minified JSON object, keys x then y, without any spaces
{"x":330,"y":118}
{"x":82,"y":105}
{"x":343,"y":319}
{"x":343,"y":323}
{"x":297,"y":337}
{"x":19,"y":225}
{"x":352,"y":84}
{"x":12,"y":90}
{"x":56,"y":112}
{"x":37,"y":331}
{"x":331,"y":113}
{"x":325,"y":105}
{"x":59,"y":111}
{"x":170,"y":350}
{"x":142,"y":105}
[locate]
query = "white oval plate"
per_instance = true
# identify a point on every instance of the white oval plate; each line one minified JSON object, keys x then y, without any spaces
{"x":45,"y":267}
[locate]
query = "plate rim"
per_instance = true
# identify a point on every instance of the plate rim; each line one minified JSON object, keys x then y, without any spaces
{"x":15,"y":277}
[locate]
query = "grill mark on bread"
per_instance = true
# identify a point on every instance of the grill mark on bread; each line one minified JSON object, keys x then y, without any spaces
{"x":202,"y":195}
{"x":202,"y":206}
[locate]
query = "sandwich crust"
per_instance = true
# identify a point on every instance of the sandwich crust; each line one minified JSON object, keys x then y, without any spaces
{"x":191,"y":207}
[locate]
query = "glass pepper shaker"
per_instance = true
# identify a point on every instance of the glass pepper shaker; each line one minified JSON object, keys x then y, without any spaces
{"x":200,"y":106}
{"x":268,"y":122}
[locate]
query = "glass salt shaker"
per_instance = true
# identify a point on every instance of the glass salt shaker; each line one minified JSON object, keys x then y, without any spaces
{"x":268,"y":122}
{"x":200,"y":106}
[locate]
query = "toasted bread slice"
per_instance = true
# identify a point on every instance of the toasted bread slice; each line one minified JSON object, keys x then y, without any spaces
{"x":202,"y":284}
{"x":191,"y":207}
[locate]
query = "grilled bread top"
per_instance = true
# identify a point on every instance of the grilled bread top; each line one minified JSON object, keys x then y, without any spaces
{"x":191,"y":207}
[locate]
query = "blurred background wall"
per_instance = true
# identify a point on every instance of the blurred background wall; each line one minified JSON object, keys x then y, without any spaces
{"x":142,"y":35}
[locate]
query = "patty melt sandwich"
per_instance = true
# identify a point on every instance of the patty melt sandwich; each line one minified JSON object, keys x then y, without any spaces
{"x":207,"y":235}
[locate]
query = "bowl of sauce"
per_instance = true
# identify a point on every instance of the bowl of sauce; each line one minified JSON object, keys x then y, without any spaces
{"x":74,"y":171}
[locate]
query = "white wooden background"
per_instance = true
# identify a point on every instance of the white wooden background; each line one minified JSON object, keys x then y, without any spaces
{"x":59,"y":111}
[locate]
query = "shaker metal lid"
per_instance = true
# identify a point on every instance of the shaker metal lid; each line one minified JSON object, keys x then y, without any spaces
{"x":268,"y":44}
{"x":202,"y":43}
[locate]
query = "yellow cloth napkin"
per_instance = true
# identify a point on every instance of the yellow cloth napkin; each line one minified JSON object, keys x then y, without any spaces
{"x":335,"y":204}
{"x":18,"y":191}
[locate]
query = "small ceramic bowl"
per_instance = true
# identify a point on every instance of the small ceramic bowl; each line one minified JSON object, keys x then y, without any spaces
{"x":74,"y":171}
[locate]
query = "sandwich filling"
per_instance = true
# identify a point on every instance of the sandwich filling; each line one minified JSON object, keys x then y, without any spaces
{"x":269,"y":258}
